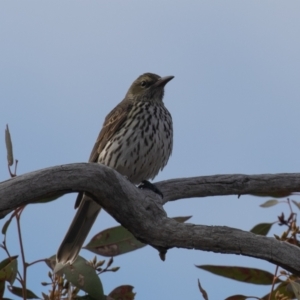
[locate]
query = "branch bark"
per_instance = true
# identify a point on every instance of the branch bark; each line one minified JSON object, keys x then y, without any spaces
{"x":141,"y":211}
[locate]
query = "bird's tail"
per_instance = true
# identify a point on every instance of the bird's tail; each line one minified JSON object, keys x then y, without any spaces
{"x":82,"y":223}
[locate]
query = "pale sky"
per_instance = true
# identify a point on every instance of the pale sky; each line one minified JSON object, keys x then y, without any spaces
{"x":235,"y":102}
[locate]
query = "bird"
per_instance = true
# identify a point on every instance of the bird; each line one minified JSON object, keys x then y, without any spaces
{"x":136,"y":140}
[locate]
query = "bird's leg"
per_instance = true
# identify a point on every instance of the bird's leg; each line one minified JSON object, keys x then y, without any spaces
{"x":150,"y":186}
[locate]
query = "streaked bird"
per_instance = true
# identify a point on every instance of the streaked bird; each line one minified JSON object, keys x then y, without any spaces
{"x":136,"y":140}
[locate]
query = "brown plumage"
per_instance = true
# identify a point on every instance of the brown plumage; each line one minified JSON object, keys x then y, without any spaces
{"x":136,"y":140}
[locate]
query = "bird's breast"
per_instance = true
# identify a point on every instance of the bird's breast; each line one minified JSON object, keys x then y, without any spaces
{"x":142,"y":145}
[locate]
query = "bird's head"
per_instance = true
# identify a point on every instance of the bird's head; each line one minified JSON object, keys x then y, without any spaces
{"x":148,"y":87}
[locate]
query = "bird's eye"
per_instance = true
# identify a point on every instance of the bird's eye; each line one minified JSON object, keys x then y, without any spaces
{"x":143,"y":83}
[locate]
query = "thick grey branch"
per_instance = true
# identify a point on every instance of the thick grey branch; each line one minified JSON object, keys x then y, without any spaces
{"x":141,"y":211}
{"x":235,"y":184}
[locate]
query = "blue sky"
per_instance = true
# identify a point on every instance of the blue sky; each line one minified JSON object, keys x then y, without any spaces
{"x":234,"y":101}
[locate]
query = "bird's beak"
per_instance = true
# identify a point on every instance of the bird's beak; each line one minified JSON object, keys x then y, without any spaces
{"x":163,"y":81}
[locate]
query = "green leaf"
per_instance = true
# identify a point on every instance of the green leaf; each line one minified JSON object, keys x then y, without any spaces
{"x":9,"y":269}
{"x":48,"y":199}
{"x":118,"y":240}
{"x":5,"y":226}
{"x":249,"y":275}
{"x":270,"y":203}
{"x":9,"y":147}
{"x":51,"y":262}
{"x":123,"y":292}
{"x":282,"y":288}
{"x":113,"y":241}
{"x":181,"y":219}
{"x":19,"y":292}
{"x":238,"y":297}
{"x":81,"y":274}
{"x":296,"y":289}
{"x":296,"y":203}
{"x":262,"y":228}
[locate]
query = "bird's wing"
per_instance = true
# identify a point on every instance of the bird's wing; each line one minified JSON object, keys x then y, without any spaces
{"x":88,"y":209}
{"x":112,"y":123}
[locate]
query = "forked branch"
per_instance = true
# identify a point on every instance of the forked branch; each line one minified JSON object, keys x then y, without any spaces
{"x":141,"y":211}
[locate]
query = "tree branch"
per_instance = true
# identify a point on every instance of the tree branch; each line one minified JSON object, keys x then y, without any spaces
{"x":141,"y":212}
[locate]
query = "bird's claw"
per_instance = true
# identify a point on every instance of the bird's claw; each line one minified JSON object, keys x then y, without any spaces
{"x":150,"y":186}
